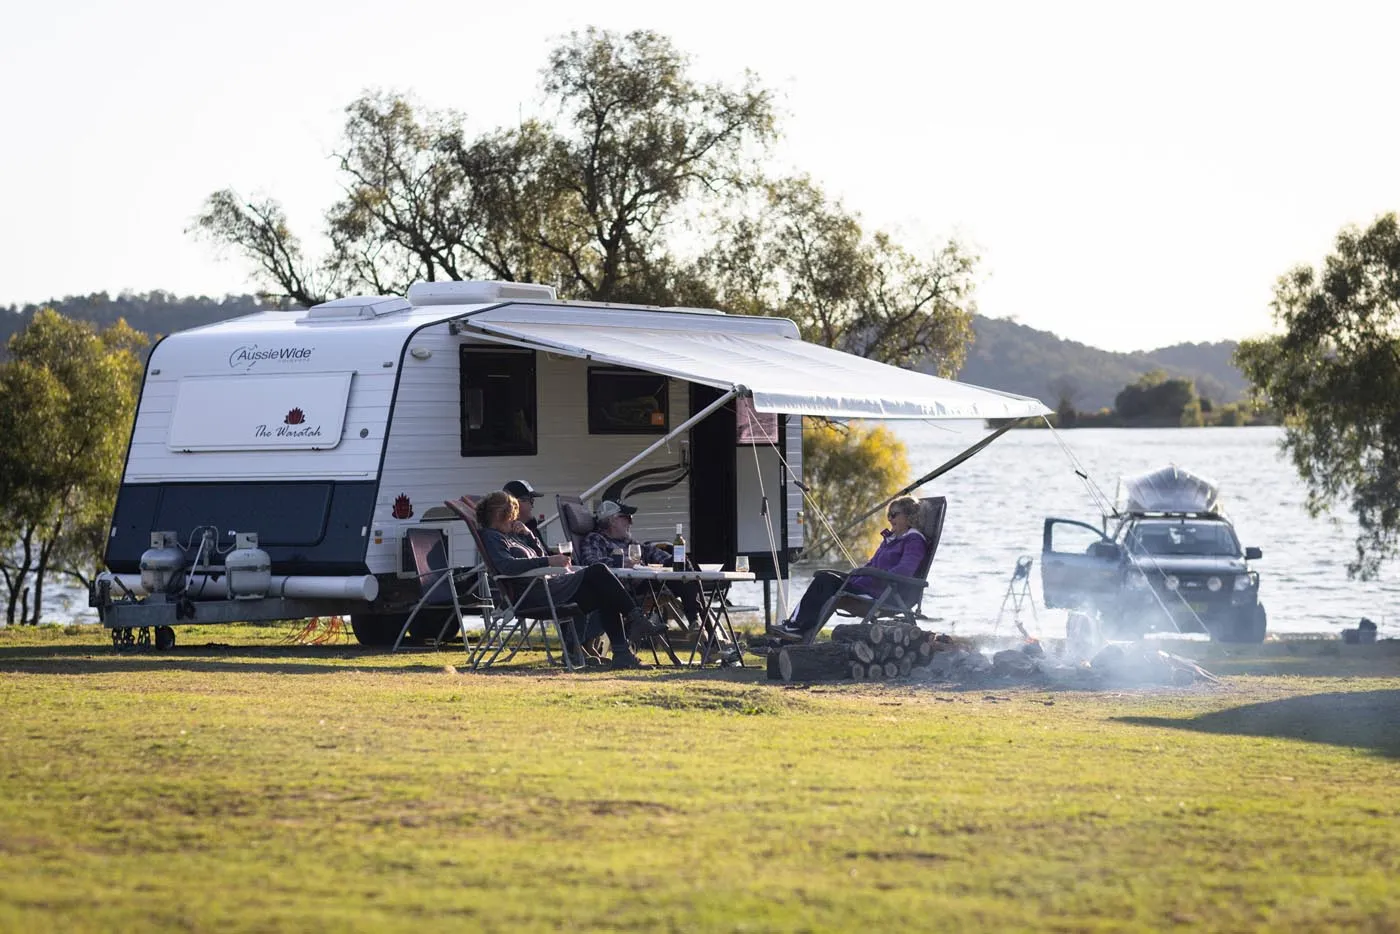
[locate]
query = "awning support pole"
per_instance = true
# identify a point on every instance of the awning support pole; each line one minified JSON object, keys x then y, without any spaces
{"x":683,"y":426}
{"x":938,"y":471}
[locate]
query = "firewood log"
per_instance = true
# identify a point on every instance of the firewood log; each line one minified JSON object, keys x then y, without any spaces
{"x":825,"y":661}
{"x":850,"y":632}
{"x":883,"y":651}
{"x":857,"y":671}
{"x":925,"y":649}
{"x":898,"y":652}
{"x":891,"y":669}
{"x":864,"y":652}
{"x":906,"y":665}
{"x":877,"y":634}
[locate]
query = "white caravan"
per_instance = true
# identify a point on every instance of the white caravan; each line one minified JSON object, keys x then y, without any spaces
{"x":278,"y":460}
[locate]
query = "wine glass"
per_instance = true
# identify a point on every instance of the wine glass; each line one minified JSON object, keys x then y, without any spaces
{"x":634,"y":551}
{"x":566,"y":547}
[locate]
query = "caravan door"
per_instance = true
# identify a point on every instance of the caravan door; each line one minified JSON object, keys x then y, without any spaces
{"x":1079,"y":565}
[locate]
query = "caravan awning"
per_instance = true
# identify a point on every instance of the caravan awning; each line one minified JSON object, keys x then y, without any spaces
{"x":762,"y":356}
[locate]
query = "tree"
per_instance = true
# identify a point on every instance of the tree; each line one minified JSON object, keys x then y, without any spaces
{"x":849,"y":467}
{"x":1334,"y":376}
{"x":1157,"y":399}
{"x":67,"y":399}
{"x":1065,"y":391}
{"x":806,"y":258}
{"x":585,"y":203}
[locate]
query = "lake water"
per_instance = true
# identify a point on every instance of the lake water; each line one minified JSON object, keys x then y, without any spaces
{"x":997,"y":502}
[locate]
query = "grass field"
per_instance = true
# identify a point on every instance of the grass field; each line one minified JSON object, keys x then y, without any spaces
{"x":236,"y":784}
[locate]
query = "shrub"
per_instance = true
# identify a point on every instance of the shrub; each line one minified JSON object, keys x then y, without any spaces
{"x":849,"y":468}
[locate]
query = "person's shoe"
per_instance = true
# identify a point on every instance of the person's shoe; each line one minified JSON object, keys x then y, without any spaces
{"x":626,"y":661}
{"x":785,"y":631}
{"x":729,"y":655}
{"x":642,"y":626}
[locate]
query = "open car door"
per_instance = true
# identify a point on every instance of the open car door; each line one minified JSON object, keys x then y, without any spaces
{"x":1079,"y":565}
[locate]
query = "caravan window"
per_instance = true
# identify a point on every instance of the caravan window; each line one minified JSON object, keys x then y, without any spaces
{"x":627,"y":402}
{"x":498,"y":401}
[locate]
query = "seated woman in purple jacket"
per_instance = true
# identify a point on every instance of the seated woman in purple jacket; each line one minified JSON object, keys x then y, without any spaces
{"x":900,"y":552}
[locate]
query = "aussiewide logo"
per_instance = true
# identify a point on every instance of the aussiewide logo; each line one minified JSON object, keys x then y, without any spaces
{"x":245,"y":357}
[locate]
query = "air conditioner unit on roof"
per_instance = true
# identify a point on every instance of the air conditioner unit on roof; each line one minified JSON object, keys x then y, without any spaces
{"x":476,"y":292}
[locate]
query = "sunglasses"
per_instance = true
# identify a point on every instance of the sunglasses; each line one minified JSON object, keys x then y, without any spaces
{"x":893,"y":514}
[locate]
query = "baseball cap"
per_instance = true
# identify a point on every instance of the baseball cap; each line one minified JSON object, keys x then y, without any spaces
{"x":607,"y":509}
{"x":521,"y":489}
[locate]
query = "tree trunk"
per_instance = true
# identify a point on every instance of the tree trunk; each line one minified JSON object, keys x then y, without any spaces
{"x":45,"y":549}
{"x":825,"y":661}
{"x":17,"y":585}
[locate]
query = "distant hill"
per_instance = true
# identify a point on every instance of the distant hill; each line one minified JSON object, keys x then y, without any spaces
{"x":1006,"y":355}
{"x":153,"y":313}
{"x":1016,"y":358}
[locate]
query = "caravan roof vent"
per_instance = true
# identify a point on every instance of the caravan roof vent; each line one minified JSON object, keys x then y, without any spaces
{"x":476,"y":293}
{"x":356,"y":306}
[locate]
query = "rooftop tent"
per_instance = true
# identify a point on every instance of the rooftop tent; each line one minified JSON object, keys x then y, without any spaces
{"x":763,"y":357}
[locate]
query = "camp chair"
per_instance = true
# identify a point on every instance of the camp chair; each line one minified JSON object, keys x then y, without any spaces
{"x":578,"y":521}
{"x":442,"y":587}
{"x":576,"y":518}
{"x":902,"y":597}
{"x":523,"y":605}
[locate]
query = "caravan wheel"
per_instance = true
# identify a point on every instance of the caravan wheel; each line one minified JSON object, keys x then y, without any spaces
{"x":377,"y":630}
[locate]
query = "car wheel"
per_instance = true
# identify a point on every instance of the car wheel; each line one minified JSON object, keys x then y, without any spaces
{"x":1257,"y":626}
{"x":1245,"y":627}
{"x":377,"y":630}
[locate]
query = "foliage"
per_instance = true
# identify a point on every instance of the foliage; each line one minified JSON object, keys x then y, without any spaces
{"x":1334,"y":375}
{"x":583,"y":203}
{"x":1156,"y":399}
{"x":850,"y":468}
{"x":67,"y":398}
{"x":806,"y":258}
{"x":311,"y":788}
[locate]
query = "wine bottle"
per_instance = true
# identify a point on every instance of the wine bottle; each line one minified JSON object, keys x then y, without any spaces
{"x":678,"y":550}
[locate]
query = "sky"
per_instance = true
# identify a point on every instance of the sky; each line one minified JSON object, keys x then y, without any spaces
{"x":1132,"y":175}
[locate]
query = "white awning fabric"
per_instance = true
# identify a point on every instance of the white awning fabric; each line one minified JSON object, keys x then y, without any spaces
{"x":780,"y":372}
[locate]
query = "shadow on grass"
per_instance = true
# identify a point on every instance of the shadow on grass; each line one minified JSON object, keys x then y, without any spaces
{"x":1360,"y":719}
{"x":215,"y":657}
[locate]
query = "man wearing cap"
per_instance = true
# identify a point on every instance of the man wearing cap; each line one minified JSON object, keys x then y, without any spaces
{"x":526,"y":495}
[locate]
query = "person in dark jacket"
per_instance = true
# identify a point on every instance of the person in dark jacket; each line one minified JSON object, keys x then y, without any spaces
{"x":608,"y":544}
{"x":526,"y":495}
{"x":592,"y":588}
{"x":901,"y":549}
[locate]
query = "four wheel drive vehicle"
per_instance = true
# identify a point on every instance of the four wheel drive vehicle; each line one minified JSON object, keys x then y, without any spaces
{"x":1166,"y":560}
